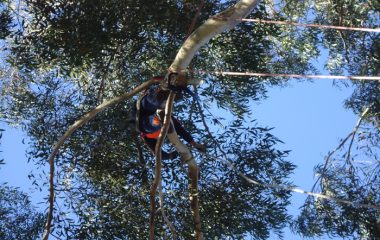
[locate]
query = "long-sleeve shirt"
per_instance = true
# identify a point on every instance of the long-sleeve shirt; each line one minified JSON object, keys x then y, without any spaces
{"x":149,"y":123}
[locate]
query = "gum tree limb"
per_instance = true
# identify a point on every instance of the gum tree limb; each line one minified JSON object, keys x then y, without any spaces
{"x":77,"y":124}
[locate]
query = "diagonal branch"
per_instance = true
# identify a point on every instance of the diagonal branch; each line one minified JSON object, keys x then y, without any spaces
{"x":84,"y":119}
{"x":355,"y":131}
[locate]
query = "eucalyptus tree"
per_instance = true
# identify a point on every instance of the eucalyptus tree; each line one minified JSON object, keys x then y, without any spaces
{"x":73,"y":54}
{"x":78,"y":52}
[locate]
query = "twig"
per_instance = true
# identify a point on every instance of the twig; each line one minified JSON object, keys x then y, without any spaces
{"x":345,"y":46}
{"x":84,"y":119}
{"x":166,"y":219}
{"x":350,"y":135}
{"x":207,"y":128}
{"x":327,"y":161}
{"x":355,"y":131}
{"x":17,"y":13}
{"x":101,"y":87}
{"x":157,"y":179}
{"x":196,"y":16}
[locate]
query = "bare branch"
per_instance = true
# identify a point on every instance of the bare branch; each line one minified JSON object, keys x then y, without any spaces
{"x":87,"y":117}
{"x":208,"y":129}
{"x":215,"y":25}
{"x":231,"y":165}
{"x":193,"y":195}
{"x":355,"y":131}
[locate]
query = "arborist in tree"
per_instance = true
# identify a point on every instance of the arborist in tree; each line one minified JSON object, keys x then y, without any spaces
{"x":149,"y":123}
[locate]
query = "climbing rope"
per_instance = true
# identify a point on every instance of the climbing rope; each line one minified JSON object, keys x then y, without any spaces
{"x":251,"y":74}
{"x":262,"y":21}
{"x":312,"y":25}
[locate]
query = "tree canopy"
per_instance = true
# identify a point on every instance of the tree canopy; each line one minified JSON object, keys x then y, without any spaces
{"x":66,"y":57}
{"x":18,"y":218}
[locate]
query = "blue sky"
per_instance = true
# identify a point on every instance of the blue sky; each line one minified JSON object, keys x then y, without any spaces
{"x":308,"y":117}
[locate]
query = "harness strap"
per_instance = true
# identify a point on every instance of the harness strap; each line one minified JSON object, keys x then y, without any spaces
{"x":153,"y":135}
{"x":138,"y":111}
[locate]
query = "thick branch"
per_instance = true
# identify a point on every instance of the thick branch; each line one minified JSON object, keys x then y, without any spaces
{"x":87,"y":117}
{"x":225,"y":20}
{"x":193,"y":172}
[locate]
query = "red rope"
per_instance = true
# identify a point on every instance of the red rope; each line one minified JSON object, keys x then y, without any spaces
{"x":250,"y":74}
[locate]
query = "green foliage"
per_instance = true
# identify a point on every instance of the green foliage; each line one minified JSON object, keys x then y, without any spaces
{"x":105,"y":171}
{"x":320,"y":217}
{"x":351,"y":174}
{"x":353,"y":53}
{"x":18,"y":219}
{"x":5,"y":20}
{"x":70,"y":55}
{"x":366,"y":95}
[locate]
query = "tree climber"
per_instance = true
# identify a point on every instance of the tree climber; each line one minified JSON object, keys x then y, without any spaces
{"x":149,"y":121}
